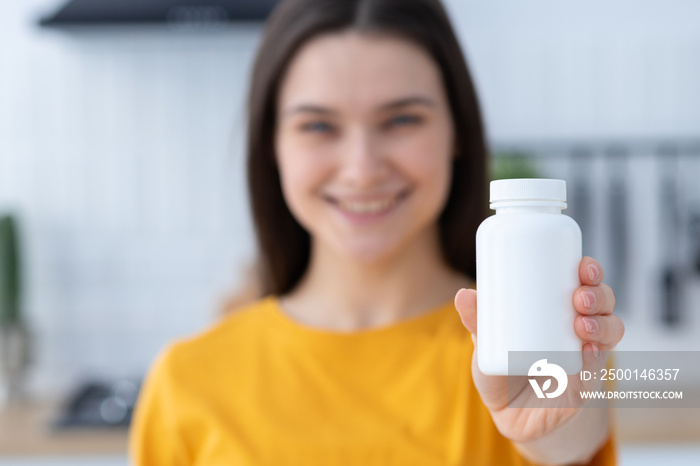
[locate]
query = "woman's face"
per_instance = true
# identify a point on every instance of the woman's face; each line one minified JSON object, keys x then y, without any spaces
{"x":364,"y":143}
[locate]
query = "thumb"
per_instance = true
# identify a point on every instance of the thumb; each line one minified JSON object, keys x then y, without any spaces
{"x":465,"y":303}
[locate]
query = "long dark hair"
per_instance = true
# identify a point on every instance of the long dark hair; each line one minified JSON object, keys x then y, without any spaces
{"x":284,"y":245}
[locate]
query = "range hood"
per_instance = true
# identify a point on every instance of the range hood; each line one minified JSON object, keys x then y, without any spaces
{"x":177,"y":12}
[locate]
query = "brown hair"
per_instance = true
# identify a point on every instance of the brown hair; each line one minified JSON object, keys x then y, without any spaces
{"x":284,"y":245}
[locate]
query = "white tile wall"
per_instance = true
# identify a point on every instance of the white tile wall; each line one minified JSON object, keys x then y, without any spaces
{"x":555,"y":69}
{"x":123,"y":151}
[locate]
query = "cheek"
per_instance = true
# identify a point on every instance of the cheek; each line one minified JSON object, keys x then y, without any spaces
{"x":435,"y":183}
{"x":302,"y":175}
{"x":428,"y":161}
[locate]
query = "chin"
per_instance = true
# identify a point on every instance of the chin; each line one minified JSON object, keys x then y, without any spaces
{"x":368,"y":254}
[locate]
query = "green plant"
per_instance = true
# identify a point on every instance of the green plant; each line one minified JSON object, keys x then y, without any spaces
{"x":9,"y":272}
{"x":512,"y":165}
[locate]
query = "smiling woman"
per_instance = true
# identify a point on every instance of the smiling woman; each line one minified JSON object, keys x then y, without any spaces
{"x":364,"y":144}
{"x":366,"y":170}
{"x":416,"y":30}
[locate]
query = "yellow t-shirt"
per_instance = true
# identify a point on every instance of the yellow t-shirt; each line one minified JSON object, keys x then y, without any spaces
{"x":258,"y":388}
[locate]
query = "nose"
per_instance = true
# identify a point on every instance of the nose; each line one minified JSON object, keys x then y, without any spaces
{"x":363,"y":163}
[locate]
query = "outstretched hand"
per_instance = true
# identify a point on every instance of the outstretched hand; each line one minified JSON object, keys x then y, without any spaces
{"x":599,"y":331}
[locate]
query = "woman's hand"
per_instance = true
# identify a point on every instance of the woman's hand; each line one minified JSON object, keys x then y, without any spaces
{"x":599,"y":331}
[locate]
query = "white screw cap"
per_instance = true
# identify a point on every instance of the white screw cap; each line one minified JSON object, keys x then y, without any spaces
{"x":528,"y":189}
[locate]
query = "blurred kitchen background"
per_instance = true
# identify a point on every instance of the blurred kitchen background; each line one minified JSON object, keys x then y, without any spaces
{"x":122,"y":175}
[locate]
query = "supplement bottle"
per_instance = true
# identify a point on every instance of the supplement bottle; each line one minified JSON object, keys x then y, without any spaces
{"x":527,"y":260}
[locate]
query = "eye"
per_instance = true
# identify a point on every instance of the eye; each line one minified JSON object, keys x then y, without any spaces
{"x":403,"y":120}
{"x":317,"y":127}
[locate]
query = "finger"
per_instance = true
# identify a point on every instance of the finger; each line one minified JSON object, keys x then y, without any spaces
{"x":465,"y":303}
{"x":594,"y":359}
{"x":591,"y":300}
{"x":494,"y":389}
{"x":603,"y":331}
{"x":590,"y":272}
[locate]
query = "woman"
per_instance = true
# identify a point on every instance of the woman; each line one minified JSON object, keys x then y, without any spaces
{"x":367,"y":179}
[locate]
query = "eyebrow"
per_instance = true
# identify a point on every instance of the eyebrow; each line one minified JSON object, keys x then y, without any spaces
{"x":406,"y":101}
{"x":403,"y":102}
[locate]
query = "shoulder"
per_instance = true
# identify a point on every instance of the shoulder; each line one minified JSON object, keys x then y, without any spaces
{"x":217,"y":344}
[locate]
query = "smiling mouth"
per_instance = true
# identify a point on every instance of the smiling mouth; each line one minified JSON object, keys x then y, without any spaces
{"x":374,"y":206}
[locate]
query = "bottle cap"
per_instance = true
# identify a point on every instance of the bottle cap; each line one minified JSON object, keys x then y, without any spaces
{"x":528,"y":189}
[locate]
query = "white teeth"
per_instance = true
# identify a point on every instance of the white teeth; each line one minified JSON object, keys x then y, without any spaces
{"x":371,"y":207}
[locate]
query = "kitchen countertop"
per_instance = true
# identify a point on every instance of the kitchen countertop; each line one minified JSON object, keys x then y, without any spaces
{"x":658,"y":425}
{"x":25,"y":431}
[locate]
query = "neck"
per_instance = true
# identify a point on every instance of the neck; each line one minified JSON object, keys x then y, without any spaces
{"x":342,"y":294}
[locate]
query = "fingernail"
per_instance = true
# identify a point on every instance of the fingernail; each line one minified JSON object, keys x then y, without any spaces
{"x":593,"y":272}
{"x":591,"y":324}
{"x":588,"y":298}
{"x":596,"y":352}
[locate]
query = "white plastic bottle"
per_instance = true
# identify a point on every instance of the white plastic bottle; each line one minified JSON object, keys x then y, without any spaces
{"x":527,"y":256}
